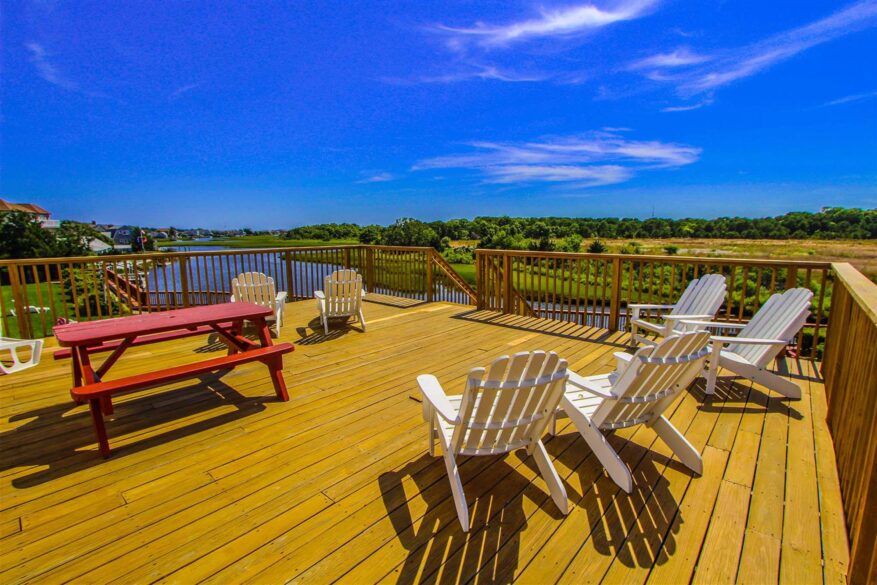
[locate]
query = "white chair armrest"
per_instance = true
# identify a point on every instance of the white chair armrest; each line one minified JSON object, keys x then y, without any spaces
{"x":434,"y":394}
{"x":686,"y":317}
{"x":621,"y":359}
{"x":318,"y":294}
{"x":648,"y":306}
{"x":747,"y":340}
{"x":584,"y":384}
{"x":281,"y":297}
{"x":231,"y":299}
{"x":714,"y":324}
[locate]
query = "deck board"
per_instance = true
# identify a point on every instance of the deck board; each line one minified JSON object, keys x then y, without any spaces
{"x":214,"y":480}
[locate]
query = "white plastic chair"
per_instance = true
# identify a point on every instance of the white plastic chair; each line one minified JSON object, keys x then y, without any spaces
{"x":504,"y":407}
{"x":638,"y":392}
{"x":701,"y":299}
{"x":759,"y":341}
{"x":11,"y":346}
{"x":259,"y":289}
{"x":341,"y":296}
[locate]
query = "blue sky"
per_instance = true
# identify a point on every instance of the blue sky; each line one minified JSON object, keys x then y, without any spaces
{"x":275,"y":114}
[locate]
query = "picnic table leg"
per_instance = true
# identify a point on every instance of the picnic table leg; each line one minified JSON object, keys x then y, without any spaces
{"x":275,"y":364}
{"x":77,"y":371}
{"x":90,"y":378}
{"x":99,"y":428}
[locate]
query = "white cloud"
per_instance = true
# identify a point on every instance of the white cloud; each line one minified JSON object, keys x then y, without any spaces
{"x":183,"y":89}
{"x":688,"y":107}
{"x":377,"y":178}
{"x":479,"y":71}
{"x":588,"y":160}
{"x":681,"y":57}
{"x":46,"y":69}
{"x":726,"y":67}
{"x":564,"y":22}
{"x":851,"y":98}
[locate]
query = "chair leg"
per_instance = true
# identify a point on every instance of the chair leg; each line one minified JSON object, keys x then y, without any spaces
{"x":712,"y":374}
{"x":457,"y":489}
{"x":549,"y":473}
{"x":361,"y":320}
{"x":325,"y":324}
{"x":778,"y":384}
{"x":602,"y":449}
{"x":677,"y":442}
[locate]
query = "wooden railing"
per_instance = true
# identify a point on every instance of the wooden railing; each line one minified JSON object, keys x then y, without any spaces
{"x":849,"y":368}
{"x":38,"y":292}
{"x":595,"y":289}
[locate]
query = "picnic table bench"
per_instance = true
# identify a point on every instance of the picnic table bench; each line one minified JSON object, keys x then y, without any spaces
{"x":81,"y":340}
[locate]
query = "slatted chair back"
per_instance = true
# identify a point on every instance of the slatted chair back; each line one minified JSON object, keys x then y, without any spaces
{"x":702,"y":296}
{"x":255,"y":288}
{"x":343,"y":290}
{"x":652,"y":379}
{"x":781,"y":317}
{"x":509,"y":404}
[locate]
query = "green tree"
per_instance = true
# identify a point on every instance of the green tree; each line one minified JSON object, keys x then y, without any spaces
{"x":22,"y":236}
{"x":411,"y":232}
{"x":597,"y":247}
{"x":371,"y":234}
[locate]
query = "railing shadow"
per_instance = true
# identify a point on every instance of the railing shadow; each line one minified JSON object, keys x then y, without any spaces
{"x":565,"y":329}
{"x":58,"y":440}
{"x":733,"y":397}
{"x":393,"y":301}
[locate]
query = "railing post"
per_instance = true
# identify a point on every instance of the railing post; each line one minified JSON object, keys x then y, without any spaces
{"x":21,"y":313}
{"x":791,"y":277}
{"x":615,"y":299}
{"x":430,"y":259}
{"x":479,"y":280}
{"x":347,"y":258}
{"x":184,"y":280}
{"x":287,"y":264}
{"x":507,"y":284}
{"x":370,"y":269}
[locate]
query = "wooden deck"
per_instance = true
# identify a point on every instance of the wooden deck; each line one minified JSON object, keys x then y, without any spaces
{"x":219,"y":481}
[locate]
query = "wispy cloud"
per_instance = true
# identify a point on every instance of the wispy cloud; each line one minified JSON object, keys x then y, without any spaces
{"x":560,"y":23}
{"x":46,"y":69}
{"x":728,"y":66}
{"x":588,"y":160}
{"x":859,"y":97}
{"x":478,"y":71}
{"x":377,"y":178}
{"x":681,"y":57}
{"x":688,"y":107}
{"x":182,"y":90}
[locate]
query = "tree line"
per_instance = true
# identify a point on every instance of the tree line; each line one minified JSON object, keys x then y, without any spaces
{"x":563,"y":232}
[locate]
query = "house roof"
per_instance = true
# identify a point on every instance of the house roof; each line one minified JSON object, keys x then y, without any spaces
{"x":25,"y":207}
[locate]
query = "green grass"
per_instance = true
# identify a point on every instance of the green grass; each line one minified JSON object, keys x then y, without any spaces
{"x":34,"y":297}
{"x":256,"y":242}
{"x":467,"y":271}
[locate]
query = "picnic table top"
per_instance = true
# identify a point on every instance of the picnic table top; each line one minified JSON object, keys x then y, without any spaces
{"x":96,"y":332}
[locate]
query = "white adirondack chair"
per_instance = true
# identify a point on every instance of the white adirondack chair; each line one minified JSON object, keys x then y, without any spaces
{"x":341,"y":296}
{"x":259,"y":289}
{"x":701,"y":299}
{"x":638,"y":392}
{"x":759,"y":342}
{"x":9,"y":348}
{"x":504,"y":407}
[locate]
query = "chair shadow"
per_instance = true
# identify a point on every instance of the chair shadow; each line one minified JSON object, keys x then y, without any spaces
{"x":731,"y":397}
{"x":489,"y":552}
{"x":637,"y":528}
{"x":314,"y":333}
{"x":556,"y":328}
{"x":58,"y":440}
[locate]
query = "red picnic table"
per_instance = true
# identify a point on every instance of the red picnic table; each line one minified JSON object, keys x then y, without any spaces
{"x":117,"y":335}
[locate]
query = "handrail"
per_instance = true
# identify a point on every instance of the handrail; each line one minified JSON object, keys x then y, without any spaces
{"x":449,"y":271}
{"x":44,"y":290}
{"x":594,"y":289}
{"x":849,"y":368}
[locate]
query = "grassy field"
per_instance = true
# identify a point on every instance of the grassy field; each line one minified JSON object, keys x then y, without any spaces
{"x":34,"y":295}
{"x":256,"y":242}
{"x":860,"y":253}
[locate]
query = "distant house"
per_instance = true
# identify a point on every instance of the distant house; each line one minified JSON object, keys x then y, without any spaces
{"x":122,"y":236}
{"x":38,"y":213}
